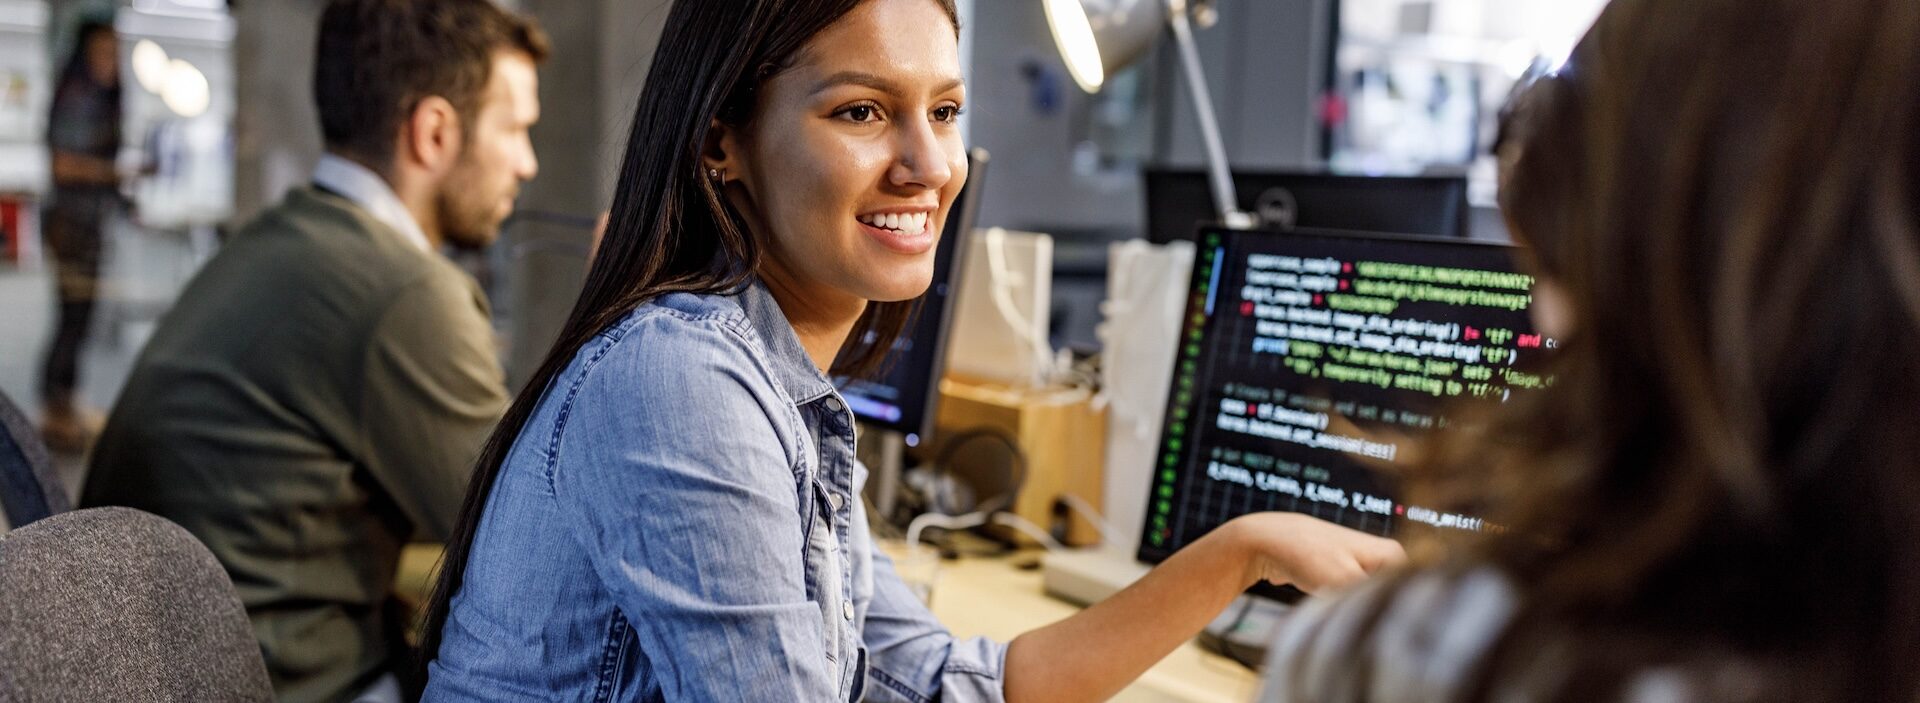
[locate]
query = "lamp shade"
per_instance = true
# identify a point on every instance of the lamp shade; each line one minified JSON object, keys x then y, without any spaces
{"x":1099,"y":37}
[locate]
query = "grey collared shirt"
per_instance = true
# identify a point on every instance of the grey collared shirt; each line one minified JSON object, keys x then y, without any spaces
{"x":368,"y":190}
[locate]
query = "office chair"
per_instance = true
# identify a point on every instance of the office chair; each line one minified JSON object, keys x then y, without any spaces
{"x":29,"y":489}
{"x":113,"y":604}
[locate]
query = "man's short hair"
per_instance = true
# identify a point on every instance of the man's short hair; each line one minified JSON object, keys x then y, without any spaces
{"x":377,"y":59}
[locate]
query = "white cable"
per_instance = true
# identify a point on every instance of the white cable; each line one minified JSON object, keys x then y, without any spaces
{"x":949,"y":522}
{"x":1030,"y":529}
{"x":1093,"y":516}
{"x":976,"y":519}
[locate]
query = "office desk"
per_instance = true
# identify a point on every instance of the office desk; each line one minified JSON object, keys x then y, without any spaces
{"x":992,"y":597}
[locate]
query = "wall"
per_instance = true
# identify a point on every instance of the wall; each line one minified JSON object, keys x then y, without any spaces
{"x":276,"y":129}
{"x":1265,"y":62}
{"x":24,"y":57}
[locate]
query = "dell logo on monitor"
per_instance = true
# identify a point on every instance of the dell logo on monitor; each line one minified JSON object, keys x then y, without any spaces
{"x":1276,"y":207}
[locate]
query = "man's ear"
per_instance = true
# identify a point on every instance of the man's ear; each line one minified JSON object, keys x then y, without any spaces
{"x":430,"y":136}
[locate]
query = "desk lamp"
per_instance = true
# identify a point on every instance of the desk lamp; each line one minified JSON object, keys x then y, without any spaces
{"x":1097,"y":37}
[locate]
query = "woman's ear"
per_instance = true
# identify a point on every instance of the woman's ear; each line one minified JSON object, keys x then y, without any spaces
{"x":723,"y":154}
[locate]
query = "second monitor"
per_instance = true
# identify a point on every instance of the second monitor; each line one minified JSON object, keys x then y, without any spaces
{"x":1178,"y":201}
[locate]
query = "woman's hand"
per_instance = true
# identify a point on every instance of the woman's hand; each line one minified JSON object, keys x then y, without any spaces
{"x":1311,"y":554}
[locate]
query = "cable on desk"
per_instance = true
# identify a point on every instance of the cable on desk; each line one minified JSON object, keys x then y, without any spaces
{"x":1086,"y":510}
{"x":1016,"y":469}
{"x":976,"y":519}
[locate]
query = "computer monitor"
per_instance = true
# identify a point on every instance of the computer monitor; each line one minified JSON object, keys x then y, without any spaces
{"x":903,"y":399}
{"x":1308,"y":360}
{"x":1179,"y":201}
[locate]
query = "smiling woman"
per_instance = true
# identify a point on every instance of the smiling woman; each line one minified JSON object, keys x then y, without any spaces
{"x":669,"y":511}
{"x":858,"y":134}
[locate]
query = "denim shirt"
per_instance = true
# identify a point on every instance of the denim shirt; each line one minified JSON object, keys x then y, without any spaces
{"x":678,"y":521}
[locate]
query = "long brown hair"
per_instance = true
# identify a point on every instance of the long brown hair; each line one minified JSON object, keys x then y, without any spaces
{"x":671,"y":229}
{"x":1728,"y":193}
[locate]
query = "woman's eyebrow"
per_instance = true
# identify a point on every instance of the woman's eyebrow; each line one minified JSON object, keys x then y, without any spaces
{"x":869,"y":80}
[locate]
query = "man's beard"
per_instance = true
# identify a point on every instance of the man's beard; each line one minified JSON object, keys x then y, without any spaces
{"x":467,"y":212}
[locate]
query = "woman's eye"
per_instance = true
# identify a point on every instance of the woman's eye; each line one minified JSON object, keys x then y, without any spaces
{"x":860,"y":113}
{"x":947,"y":114}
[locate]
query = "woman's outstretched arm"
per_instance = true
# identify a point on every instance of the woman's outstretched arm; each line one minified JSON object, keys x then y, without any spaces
{"x":1096,"y":652}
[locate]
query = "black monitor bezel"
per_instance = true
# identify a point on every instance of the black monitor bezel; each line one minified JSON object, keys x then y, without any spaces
{"x":1153,"y":180}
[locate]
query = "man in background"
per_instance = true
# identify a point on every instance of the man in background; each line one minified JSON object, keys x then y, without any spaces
{"x":316,"y":398}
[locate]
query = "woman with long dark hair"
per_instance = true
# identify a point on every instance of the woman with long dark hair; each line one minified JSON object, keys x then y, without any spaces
{"x":669,"y":511}
{"x":1717,"y":498}
{"x":83,"y":139}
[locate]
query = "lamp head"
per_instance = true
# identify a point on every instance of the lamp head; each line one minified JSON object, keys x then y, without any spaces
{"x":1100,"y":37}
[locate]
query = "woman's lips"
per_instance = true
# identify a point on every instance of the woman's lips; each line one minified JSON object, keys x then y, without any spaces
{"x":901,"y":242}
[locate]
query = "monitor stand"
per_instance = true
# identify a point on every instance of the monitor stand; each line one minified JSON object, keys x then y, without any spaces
{"x":1088,"y":576}
{"x":1245,"y":630}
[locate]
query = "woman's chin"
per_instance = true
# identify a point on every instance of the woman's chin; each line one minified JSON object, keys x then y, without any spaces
{"x":896,"y":291}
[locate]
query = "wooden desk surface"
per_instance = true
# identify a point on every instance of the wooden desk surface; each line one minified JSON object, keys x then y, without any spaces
{"x":993,"y":598}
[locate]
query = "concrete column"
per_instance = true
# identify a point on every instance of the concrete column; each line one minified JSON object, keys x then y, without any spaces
{"x":276,"y":127}
{"x":588,"y":88}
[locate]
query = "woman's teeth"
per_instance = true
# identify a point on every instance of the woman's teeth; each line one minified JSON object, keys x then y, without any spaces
{"x":905,"y":223}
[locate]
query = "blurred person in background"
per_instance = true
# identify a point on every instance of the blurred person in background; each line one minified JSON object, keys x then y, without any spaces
{"x":318,"y":394}
{"x":1715,"y":501}
{"x":83,"y":138}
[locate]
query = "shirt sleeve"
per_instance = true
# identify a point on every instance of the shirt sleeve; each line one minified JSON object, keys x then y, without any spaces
{"x":912,"y":658}
{"x":673,"y":475}
{"x":432,"y":393}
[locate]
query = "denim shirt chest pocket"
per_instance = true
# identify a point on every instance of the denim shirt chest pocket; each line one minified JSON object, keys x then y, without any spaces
{"x":824,"y":478}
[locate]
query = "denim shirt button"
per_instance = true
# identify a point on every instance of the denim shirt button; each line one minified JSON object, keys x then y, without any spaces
{"x":846,"y":608}
{"x":835,"y":500}
{"x":833,"y":405}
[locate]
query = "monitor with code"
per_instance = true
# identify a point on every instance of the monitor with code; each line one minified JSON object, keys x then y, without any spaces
{"x":1310,"y":360}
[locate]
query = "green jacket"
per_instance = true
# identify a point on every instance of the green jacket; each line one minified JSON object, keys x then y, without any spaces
{"x":315,"y":400}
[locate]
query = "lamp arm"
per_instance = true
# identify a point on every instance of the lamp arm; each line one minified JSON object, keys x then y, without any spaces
{"x":1220,"y":176}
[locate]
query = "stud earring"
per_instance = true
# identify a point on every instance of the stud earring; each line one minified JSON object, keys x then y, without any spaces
{"x":713,"y":173}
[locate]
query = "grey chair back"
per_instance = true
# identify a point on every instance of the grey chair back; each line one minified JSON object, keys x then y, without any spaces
{"x":113,"y":604}
{"x":29,"y":489}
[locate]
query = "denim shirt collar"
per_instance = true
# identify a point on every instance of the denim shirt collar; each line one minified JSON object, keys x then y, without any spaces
{"x":792,"y":367}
